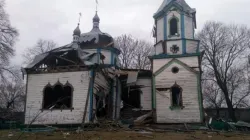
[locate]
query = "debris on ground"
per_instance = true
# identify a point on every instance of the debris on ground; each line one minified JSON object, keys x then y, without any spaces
{"x":220,"y":124}
{"x":65,"y":135}
{"x":143,"y":119}
{"x":10,"y":135}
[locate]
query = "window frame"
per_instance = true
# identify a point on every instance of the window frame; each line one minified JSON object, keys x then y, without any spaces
{"x":174,"y":107}
{"x":169,"y":22}
{"x":67,"y":84}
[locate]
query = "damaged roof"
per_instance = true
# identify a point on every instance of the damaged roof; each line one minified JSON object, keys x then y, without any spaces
{"x":41,"y":57}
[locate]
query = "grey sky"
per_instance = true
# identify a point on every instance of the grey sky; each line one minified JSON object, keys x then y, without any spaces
{"x":56,"y":19}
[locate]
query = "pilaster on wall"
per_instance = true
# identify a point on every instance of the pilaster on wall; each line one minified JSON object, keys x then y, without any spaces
{"x":184,"y":43}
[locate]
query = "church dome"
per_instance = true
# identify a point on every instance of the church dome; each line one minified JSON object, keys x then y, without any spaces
{"x":96,"y":18}
{"x":77,"y":31}
{"x":96,"y":38}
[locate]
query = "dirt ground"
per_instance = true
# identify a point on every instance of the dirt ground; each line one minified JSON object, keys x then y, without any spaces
{"x":126,"y":135}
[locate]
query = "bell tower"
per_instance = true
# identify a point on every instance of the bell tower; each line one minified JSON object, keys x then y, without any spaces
{"x":175,"y":27}
{"x":176,"y":65}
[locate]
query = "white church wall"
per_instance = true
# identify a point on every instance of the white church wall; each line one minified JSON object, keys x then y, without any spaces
{"x":160,"y":31}
{"x":188,"y":82}
{"x":191,"y":46}
{"x":158,"y":49}
{"x":189,"y":27}
{"x":36,"y":84}
{"x":190,"y":61}
{"x":107,"y":54}
{"x":146,"y":96}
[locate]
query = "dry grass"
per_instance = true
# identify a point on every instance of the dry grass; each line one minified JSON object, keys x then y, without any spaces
{"x":127,"y":135}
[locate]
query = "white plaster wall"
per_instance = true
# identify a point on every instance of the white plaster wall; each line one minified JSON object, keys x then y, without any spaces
{"x":158,"y":49}
{"x":36,"y":84}
{"x":190,"y":61}
{"x":169,"y":16}
{"x":191,"y":46}
{"x":146,"y":96}
{"x":107,"y":54}
{"x":160,"y":29}
{"x":117,"y":59}
{"x":188,"y":81}
{"x":171,"y":43}
{"x":188,"y":27}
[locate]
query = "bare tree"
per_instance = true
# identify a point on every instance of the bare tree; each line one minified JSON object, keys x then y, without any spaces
{"x":225,"y":49}
{"x":213,"y":97}
{"x":126,"y":45}
{"x":8,"y":37}
{"x":41,"y":46}
{"x":143,"y":50}
{"x":12,"y":95}
{"x":134,"y":52}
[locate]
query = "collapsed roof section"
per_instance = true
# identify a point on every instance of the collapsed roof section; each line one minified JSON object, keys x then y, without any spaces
{"x":65,"y":57}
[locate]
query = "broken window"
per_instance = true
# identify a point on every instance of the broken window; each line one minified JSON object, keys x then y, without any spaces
{"x":176,"y":92}
{"x":173,"y":26}
{"x":58,"y":96}
{"x":131,"y":97}
{"x":135,"y":98}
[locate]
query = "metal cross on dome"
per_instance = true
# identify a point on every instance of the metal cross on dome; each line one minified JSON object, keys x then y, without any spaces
{"x":174,"y":49}
{"x":96,"y":2}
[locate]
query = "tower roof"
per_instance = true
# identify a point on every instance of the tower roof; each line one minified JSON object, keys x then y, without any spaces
{"x":77,"y":31}
{"x":182,"y":3}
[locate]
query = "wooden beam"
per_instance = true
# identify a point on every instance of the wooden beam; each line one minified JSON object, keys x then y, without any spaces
{"x":65,"y":59}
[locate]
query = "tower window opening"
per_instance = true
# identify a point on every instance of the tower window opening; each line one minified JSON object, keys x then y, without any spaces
{"x":173,"y":27}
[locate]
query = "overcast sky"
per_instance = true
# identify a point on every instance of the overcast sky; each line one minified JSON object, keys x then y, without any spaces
{"x":56,"y":19}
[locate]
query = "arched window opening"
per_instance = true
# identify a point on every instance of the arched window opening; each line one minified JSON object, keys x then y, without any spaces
{"x":173,"y":27}
{"x":58,"y":96}
{"x":47,"y":101}
{"x":68,"y":96}
{"x":176,"y":92}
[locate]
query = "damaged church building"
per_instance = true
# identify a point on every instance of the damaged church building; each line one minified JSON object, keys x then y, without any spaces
{"x":82,"y":82}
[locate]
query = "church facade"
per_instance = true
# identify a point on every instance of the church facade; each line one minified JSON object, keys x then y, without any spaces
{"x":82,"y":82}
